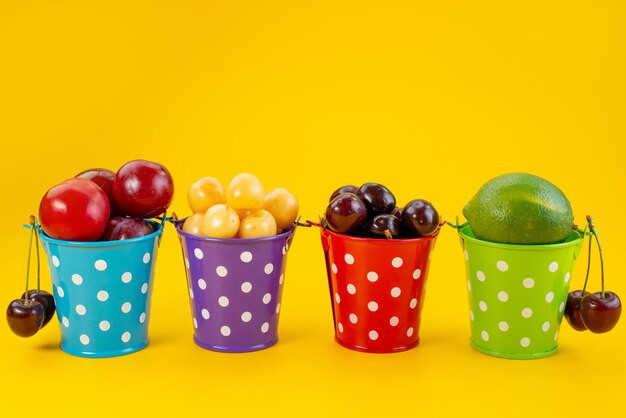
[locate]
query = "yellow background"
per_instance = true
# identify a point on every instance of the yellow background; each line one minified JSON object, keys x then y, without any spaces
{"x":429,"y":98}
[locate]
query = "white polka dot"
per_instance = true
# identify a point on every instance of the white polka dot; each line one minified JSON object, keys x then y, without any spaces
{"x":556,"y":335}
{"x":373,"y":335}
{"x":198,"y":253}
{"x":191,"y":293}
{"x":353,"y":318}
{"x":104,"y":325}
{"x":480,"y":275}
{"x":554,"y":266}
{"x":334,"y":268}
{"x":146,"y":259}
{"x":186,"y":262}
{"x":278,"y":308}
{"x":397,"y":262}
{"x":265,"y":327}
{"x":503,"y":326}
{"x":221,"y":271}
{"x":142,"y":318}
{"x":562,"y":307}
{"x":502,"y":265}
{"x":466,"y":255}
{"x":409,"y":332}
{"x":395,"y":292}
{"x":127,"y":277}
{"x":269,"y":268}
{"x":202,"y":284}
{"x":413,"y":303}
{"x":482,"y":306}
{"x":60,"y":291}
{"x":337,"y":298}
{"x":417,"y":273}
{"x":246,"y":317}
{"x":66,"y":322}
{"x":527,"y":312}
{"x":503,"y":296}
{"x":84,"y":339}
{"x":223,"y":301}
{"x":81,"y":310}
{"x":267,"y":298}
{"x":103,"y":295}
{"x":225,"y":330}
{"x":349,"y":259}
{"x":126,"y":307}
{"x":55,"y":261}
{"x":471,"y":315}
{"x":524,"y":342}
{"x":469,"y":285}
{"x":77,"y":279}
{"x":144,"y":288}
{"x":485,"y":335}
{"x":281,"y":279}
{"x":351,"y":289}
{"x":394,"y":321}
{"x":246,"y":256}
{"x":546,"y":326}
{"x":100,"y":265}
{"x":205,"y":313}
{"x":372,"y":306}
{"x":126,"y":337}
{"x":340,"y":327}
{"x":528,"y":283}
{"x":549,"y":297}
{"x":195,"y":323}
{"x":246,"y":287}
{"x":372,"y":276}
{"x":567,"y":276}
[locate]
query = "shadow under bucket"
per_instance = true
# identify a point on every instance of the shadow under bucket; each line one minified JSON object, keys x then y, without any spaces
{"x":517,"y":294}
{"x":377,"y":289}
{"x":235,"y":289}
{"x":102,"y":292}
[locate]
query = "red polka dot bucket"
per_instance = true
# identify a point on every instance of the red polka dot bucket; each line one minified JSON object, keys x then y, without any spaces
{"x":377,"y":289}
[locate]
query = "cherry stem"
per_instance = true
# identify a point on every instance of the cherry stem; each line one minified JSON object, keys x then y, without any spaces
{"x":38,"y":262}
{"x":588,"y":266}
{"x":30,"y":248}
{"x":388,"y":234}
{"x":592,"y":229}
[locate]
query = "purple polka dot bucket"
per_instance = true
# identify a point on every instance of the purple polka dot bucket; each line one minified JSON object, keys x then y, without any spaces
{"x":235,"y":288}
{"x":102,"y":291}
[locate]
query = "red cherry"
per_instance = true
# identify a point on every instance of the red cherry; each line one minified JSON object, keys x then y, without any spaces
{"x":572,"y":310}
{"x":120,"y":228}
{"x":143,"y":189}
{"x":25,"y":317}
{"x":600,"y":314}
{"x":46,"y":299}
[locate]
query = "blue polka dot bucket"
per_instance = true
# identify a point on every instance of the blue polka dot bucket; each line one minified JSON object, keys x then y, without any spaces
{"x":102,"y":292}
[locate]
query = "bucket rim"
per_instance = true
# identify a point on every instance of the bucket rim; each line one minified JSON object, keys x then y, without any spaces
{"x":379,"y":240}
{"x":98,"y":244}
{"x":573,"y":239}
{"x":178,"y":224}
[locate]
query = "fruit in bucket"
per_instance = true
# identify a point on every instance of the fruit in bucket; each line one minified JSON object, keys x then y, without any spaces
{"x":243,"y":211}
{"x":104,"y":179}
{"x":371,"y":211}
{"x":143,"y":189}
{"x":519,"y":208}
{"x":120,"y":228}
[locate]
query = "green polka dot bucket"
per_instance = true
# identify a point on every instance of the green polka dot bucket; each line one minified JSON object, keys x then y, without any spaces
{"x":517,"y":294}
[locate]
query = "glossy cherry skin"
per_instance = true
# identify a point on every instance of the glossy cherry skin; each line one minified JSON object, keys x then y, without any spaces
{"x":120,"y":228}
{"x":600,"y":314}
{"x":46,"y":300}
{"x":143,"y":189}
{"x":376,"y":227}
{"x":346,"y":214}
{"x":419,"y":218}
{"x":572,"y":310}
{"x":343,"y":189}
{"x":377,"y":198}
{"x":25,"y":317}
{"x":103,"y":178}
{"x":75,"y":210}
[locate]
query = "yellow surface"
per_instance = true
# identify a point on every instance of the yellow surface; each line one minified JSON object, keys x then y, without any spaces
{"x":428,"y":98}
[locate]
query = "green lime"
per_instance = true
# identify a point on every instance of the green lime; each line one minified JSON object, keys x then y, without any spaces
{"x":520,"y":208}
